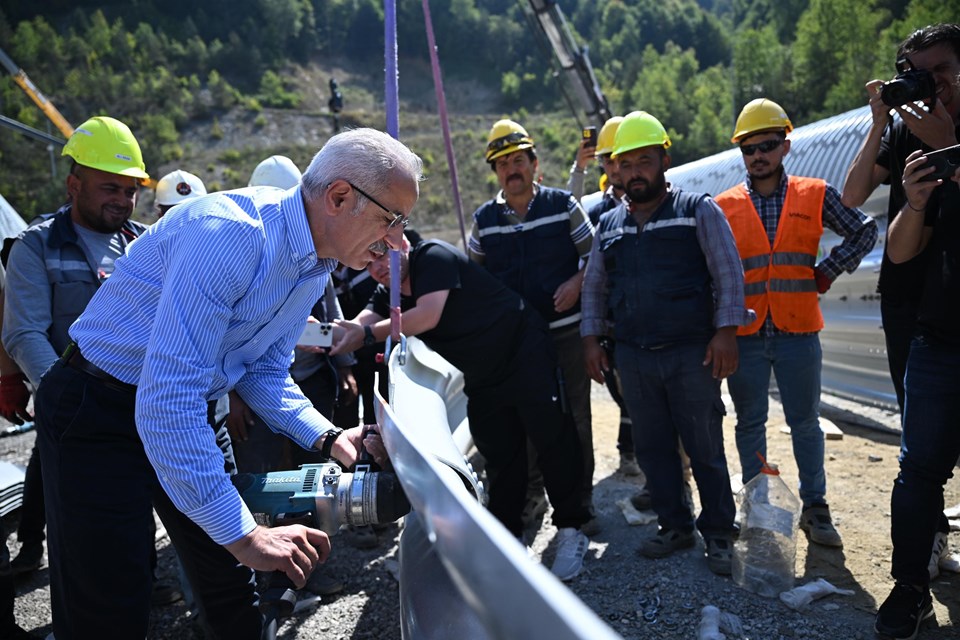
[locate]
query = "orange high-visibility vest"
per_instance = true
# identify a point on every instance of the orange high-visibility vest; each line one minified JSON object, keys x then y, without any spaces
{"x":780,"y":280}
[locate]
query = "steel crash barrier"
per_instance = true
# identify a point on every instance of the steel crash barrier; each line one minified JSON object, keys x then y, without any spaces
{"x":462,"y":575}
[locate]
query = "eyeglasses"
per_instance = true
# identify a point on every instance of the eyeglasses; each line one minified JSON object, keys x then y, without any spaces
{"x":398,"y":218}
{"x":763,"y":147}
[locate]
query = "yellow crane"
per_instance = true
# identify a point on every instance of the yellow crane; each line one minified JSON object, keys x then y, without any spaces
{"x":23,"y":81}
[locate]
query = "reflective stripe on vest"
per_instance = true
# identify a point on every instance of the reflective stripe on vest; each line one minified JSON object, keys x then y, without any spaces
{"x":780,"y":281}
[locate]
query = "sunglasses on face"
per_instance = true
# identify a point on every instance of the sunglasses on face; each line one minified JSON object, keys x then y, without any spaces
{"x":398,"y":218}
{"x":763,"y":147}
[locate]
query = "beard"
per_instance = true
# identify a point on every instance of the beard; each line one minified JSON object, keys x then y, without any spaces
{"x":106,"y":220}
{"x":640,"y":191}
{"x":761,"y":170}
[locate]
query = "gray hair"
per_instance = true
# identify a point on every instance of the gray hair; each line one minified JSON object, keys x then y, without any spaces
{"x":366,"y":157}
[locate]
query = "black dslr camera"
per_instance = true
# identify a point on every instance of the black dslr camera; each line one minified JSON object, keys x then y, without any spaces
{"x":910,"y":85}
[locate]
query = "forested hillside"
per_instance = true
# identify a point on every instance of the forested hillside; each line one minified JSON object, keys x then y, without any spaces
{"x":204,"y":83}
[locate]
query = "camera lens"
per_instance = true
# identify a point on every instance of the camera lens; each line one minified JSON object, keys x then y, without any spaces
{"x":896,"y":93}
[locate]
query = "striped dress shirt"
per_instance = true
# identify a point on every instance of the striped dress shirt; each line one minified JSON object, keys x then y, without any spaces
{"x":213,"y":297}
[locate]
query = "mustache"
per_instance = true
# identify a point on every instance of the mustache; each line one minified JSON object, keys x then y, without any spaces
{"x":379,"y":247}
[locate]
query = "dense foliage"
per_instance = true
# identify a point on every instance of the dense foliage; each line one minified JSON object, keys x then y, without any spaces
{"x":165,"y":66}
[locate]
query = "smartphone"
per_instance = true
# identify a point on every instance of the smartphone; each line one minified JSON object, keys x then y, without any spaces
{"x":590,"y":135}
{"x":316,"y":334}
{"x":944,"y":161}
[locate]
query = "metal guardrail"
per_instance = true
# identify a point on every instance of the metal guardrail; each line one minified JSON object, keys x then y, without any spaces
{"x":462,"y":574}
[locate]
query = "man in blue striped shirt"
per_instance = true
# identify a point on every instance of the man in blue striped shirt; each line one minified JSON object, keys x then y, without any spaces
{"x":211,"y":298}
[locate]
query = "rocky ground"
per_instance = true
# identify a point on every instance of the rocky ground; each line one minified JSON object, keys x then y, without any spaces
{"x":620,"y":586}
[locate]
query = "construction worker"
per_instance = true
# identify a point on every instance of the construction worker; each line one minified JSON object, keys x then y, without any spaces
{"x":502,"y":346}
{"x":53,"y":270}
{"x":610,"y":196}
{"x":777,"y":221}
{"x":664,"y":270}
{"x":533,"y":240}
{"x":176,"y":187}
{"x":275,"y":171}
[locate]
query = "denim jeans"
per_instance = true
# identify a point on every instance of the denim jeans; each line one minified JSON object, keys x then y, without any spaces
{"x":795,"y":361}
{"x":679,"y":401}
{"x":929,"y":451}
{"x":899,"y":326}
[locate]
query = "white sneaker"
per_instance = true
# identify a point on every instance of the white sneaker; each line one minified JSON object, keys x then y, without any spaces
{"x":571,"y":547}
{"x":940,"y":550}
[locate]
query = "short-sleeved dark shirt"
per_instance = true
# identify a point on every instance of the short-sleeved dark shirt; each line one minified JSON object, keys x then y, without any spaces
{"x":482,"y":320}
{"x":899,"y":283}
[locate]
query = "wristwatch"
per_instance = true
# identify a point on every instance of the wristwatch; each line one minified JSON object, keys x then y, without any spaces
{"x":368,"y":338}
{"x":327,"y":448}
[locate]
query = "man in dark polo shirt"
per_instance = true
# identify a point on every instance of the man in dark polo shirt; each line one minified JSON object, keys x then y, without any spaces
{"x":504,"y":350}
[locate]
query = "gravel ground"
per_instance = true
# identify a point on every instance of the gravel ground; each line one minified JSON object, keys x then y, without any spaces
{"x":616,"y":583}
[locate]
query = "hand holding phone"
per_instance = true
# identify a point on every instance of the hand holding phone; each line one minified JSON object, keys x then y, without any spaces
{"x":316,"y":334}
{"x":945,"y":163}
{"x":590,"y":136}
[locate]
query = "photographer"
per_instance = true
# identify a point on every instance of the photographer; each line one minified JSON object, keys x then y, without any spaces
{"x":933,"y":50}
{"x":931,"y":428}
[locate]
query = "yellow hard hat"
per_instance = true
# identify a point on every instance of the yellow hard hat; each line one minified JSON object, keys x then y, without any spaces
{"x":506,"y":136}
{"x":760,"y":115}
{"x":639,"y":129}
{"x":108,"y":145}
{"x":607,"y":133}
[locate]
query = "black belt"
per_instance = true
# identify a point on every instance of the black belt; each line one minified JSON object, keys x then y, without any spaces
{"x":73,"y":358}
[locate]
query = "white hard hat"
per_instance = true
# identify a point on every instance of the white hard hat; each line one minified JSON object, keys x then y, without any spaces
{"x":275,"y":171}
{"x":177,"y":186}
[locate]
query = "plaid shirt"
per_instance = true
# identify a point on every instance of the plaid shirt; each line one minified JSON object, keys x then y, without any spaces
{"x":859,"y":232}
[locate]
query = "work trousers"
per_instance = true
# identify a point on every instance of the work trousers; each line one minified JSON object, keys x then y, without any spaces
{"x":612,"y":382}
{"x":100,"y":489}
{"x":929,"y":450}
{"x":795,"y":360}
{"x":525,"y":404}
{"x":678,"y":398}
{"x":576,"y":388}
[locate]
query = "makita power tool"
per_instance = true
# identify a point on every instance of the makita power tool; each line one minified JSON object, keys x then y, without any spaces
{"x":323,"y":497}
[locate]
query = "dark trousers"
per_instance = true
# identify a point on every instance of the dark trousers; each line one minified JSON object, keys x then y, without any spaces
{"x":899,"y":325}
{"x":264,"y":450}
{"x":678,"y":399}
{"x":525,"y":404}
{"x":99,"y":489}
{"x":32,"y":520}
{"x":612,"y":380}
{"x":929,"y":450}
{"x":8,"y":623}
